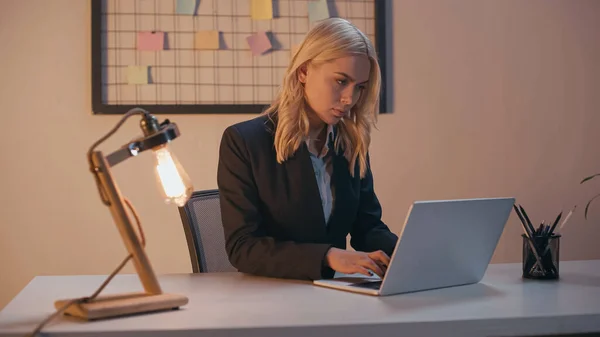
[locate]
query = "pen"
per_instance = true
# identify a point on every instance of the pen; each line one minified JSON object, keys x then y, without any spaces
{"x":547,"y":231}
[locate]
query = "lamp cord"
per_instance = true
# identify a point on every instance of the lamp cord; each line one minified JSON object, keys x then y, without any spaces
{"x":104,"y":284}
{"x":106,"y":201}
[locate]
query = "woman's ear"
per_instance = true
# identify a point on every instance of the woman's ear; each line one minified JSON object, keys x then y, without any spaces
{"x":301,"y":72}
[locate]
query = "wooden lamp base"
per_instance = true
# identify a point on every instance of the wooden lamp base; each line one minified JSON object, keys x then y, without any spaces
{"x":122,"y":305}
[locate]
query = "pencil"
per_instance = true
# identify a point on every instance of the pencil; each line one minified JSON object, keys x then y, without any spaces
{"x":554,"y":224}
{"x":527,"y":219}
{"x":522,"y":221}
{"x":533,"y":247}
{"x":567,"y":218}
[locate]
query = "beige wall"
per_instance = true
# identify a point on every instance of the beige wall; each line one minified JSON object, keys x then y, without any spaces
{"x":492,"y":98}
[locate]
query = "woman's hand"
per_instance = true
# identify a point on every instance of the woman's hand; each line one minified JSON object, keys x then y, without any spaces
{"x":350,"y":262}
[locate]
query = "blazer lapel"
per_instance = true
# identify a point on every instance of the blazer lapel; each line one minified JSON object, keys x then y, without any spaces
{"x":302,"y":181}
{"x":346,"y":197}
{"x":340,"y":183}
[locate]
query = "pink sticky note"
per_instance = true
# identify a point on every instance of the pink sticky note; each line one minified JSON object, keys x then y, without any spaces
{"x":259,"y":43}
{"x":151,"y":41}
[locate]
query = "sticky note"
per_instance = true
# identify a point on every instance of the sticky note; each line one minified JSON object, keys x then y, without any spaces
{"x":207,"y":39}
{"x":258,"y":43}
{"x":186,"y":7}
{"x":318,"y":10}
{"x":137,"y":74}
{"x":262,"y":9}
{"x":151,"y":41}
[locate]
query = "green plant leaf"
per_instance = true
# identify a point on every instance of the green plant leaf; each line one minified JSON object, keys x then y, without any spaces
{"x":588,"y":205}
{"x":589,"y":178}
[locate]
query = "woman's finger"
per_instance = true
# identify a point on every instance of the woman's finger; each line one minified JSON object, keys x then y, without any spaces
{"x":380,"y":256}
{"x":371,"y":265}
{"x":382,"y":266}
{"x":361,"y":270}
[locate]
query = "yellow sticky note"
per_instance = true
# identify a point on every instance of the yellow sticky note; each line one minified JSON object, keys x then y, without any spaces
{"x":137,"y":74}
{"x":207,"y":39}
{"x":262,"y":9}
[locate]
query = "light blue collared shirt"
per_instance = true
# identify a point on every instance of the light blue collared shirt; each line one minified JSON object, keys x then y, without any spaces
{"x":322,"y":165}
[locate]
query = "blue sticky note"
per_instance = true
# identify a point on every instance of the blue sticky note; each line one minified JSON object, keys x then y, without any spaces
{"x":318,"y":10}
{"x":186,"y":7}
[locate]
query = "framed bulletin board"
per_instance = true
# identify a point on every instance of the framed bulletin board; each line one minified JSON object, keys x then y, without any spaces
{"x":208,"y":56}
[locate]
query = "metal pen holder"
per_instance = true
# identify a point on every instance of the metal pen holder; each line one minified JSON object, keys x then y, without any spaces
{"x":544,"y":264}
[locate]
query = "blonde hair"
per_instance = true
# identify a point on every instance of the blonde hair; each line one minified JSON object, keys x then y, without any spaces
{"x":328,"y":40}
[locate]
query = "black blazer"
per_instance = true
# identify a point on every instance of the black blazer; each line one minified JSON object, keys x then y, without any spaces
{"x":272,"y":213}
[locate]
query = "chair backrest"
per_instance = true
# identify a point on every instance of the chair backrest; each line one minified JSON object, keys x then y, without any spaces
{"x":201,"y":218}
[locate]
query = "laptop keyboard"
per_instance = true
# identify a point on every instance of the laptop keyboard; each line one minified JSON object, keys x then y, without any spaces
{"x":368,"y":285}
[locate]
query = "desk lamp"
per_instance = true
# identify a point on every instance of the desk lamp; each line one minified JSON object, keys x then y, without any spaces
{"x":176,"y":188}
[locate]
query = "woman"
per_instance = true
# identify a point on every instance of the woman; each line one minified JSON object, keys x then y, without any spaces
{"x":296,"y":181}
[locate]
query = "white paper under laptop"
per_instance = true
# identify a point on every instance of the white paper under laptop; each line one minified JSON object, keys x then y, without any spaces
{"x":443,"y":243}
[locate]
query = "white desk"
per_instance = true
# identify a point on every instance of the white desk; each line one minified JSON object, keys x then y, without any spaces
{"x":232,"y":304}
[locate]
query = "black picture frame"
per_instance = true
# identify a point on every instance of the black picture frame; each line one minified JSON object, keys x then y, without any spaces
{"x":99,"y":107}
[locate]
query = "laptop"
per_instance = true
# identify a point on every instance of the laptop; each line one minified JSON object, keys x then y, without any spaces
{"x":443,"y":243}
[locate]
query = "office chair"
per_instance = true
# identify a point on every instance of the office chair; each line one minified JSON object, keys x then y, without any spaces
{"x":201,"y":218}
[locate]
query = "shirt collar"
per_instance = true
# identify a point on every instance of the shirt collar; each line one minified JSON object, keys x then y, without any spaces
{"x":329,"y":138}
